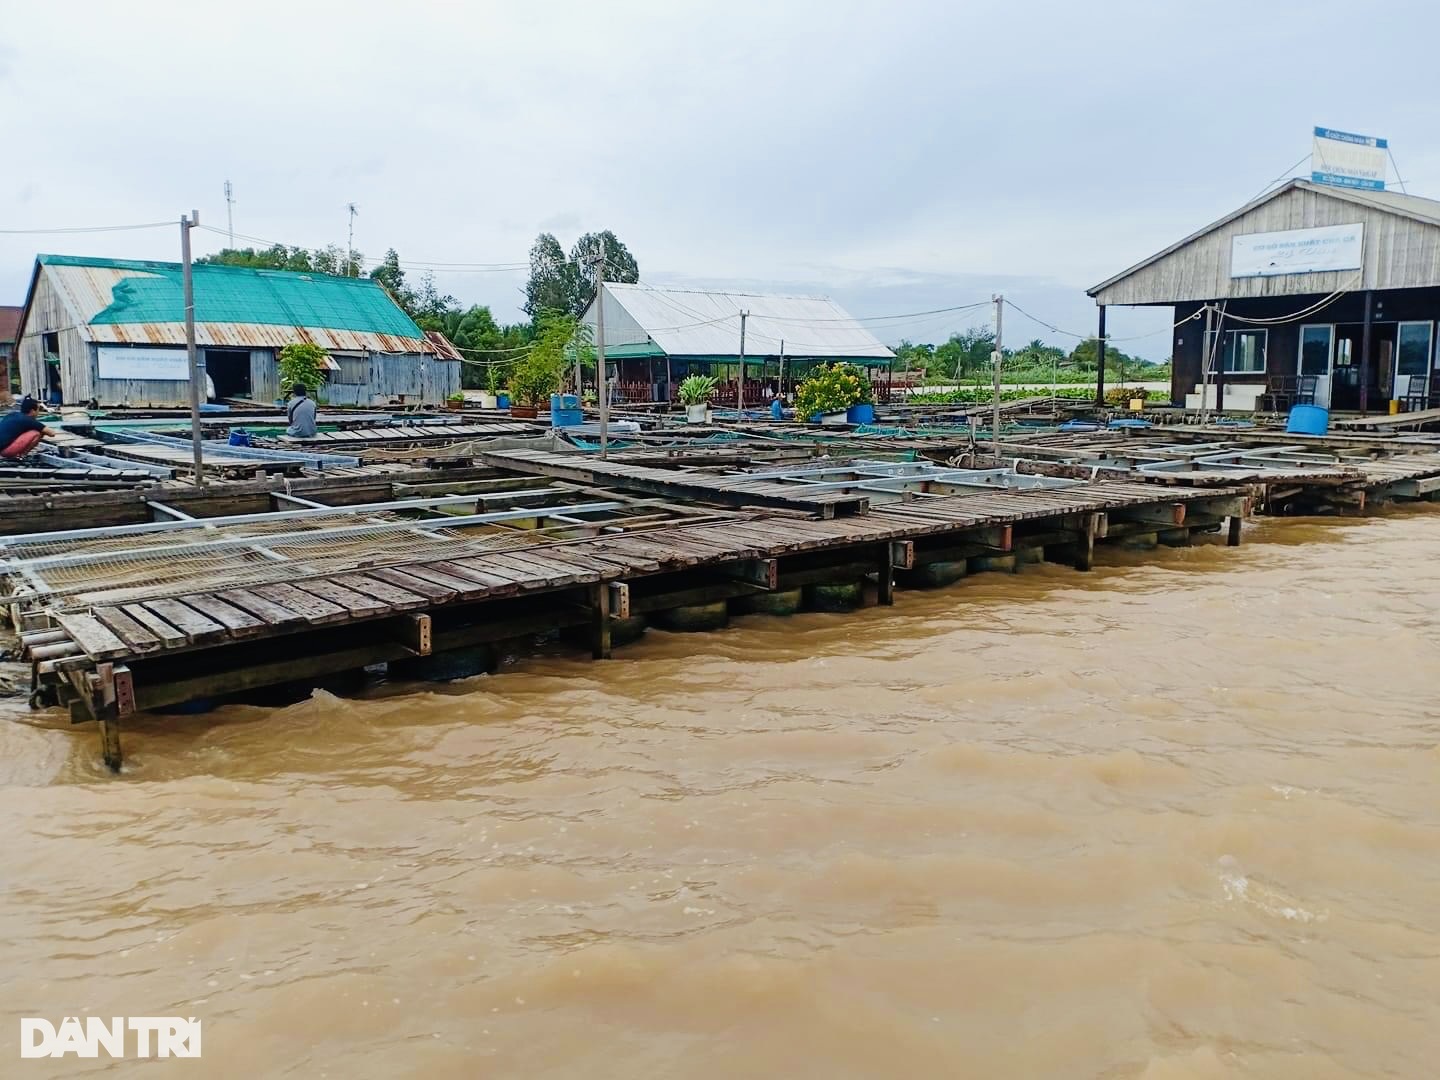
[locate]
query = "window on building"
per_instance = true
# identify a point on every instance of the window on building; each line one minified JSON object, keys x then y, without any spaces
{"x":354,"y":369}
{"x":1243,"y":351}
{"x":51,"y":344}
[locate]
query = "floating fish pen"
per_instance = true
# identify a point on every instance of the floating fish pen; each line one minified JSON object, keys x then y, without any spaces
{"x":122,"y":619}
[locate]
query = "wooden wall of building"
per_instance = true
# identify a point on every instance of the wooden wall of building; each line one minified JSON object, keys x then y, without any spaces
{"x":1399,"y":252}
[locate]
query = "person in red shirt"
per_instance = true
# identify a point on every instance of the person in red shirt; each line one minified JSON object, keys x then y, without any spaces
{"x":21,"y":430}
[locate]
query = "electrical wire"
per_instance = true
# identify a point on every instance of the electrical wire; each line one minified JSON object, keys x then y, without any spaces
{"x":89,"y":229}
{"x":1301,"y":314}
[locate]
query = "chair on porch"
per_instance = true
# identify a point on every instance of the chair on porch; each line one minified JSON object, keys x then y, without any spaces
{"x":1279,"y":394}
{"x":1417,"y":394}
{"x":1306,"y":390}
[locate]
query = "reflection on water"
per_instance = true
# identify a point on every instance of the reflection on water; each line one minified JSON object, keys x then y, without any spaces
{"x":1179,"y":817}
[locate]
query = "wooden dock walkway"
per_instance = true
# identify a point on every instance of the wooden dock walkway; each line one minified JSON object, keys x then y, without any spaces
{"x":734,"y":489}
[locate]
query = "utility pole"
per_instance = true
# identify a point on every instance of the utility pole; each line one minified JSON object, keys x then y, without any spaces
{"x":196,"y":369}
{"x":350,"y":239}
{"x":996,"y":357}
{"x":230,"y":211}
{"x":780,"y":386}
{"x":601,"y":381}
{"x":740,"y":390}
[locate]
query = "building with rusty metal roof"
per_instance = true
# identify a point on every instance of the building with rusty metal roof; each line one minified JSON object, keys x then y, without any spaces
{"x":9,"y":330}
{"x":113,"y":331}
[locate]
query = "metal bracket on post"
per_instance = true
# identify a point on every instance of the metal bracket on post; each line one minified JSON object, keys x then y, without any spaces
{"x":416,"y":632}
{"x":619,"y":600}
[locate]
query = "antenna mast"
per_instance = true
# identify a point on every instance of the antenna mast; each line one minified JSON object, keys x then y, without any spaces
{"x":230,"y":210}
{"x":350,"y":242}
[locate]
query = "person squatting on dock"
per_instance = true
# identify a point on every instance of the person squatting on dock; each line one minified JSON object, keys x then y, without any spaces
{"x":301,"y":413}
{"x":21,"y":430}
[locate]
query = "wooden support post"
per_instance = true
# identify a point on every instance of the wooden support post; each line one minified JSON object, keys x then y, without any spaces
{"x":105,"y":706}
{"x":1232,"y":532}
{"x":1365,"y":353}
{"x":600,"y":621}
{"x":885,"y":579}
{"x":1085,"y":545}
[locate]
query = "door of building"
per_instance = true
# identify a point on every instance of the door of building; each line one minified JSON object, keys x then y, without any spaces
{"x":1412,"y":356}
{"x":1317,"y":355}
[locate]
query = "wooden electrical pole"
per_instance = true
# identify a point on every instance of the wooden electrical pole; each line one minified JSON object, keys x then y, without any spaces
{"x":740,"y":390}
{"x":193,"y":365}
{"x":996,"y":357}
{"x":601,"y":381}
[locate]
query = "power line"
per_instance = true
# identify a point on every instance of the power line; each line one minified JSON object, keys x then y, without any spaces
{"x":88,"y":229}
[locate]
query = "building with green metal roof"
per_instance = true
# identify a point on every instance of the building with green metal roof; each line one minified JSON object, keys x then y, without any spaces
{"x":113,"y":331}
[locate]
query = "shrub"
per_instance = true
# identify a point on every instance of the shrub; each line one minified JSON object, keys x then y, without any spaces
{"x":831,"y":388}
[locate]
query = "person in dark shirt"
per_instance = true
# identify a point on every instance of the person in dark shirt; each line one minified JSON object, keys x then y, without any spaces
{"x":21,"y":429}
{"x":301,"y":413}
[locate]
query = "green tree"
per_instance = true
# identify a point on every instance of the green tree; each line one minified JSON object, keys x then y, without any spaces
{"x":552,"y":283}
{"x":390,"y":274}
{"x":965,"y":353}
{"x":333,"y":259}
{"x":620,"y":266}
{"x":276,"y":257}
{"x":430,"y":308}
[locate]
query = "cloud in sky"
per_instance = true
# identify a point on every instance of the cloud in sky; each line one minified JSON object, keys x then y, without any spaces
{"x":893,"y":155}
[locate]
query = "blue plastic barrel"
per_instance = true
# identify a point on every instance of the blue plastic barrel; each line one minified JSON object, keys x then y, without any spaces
{"x":860,"y":414}
{"x":1308,"y":420}
{"x":239,"y":437}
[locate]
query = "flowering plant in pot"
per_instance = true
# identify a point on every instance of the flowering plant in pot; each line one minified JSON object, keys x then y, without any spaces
{"x":695,"y":392}
{"x":830,"y":390}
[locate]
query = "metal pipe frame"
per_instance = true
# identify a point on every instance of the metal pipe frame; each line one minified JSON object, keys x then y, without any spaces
{"x":111,"y":531}
{"x":206,"y":547}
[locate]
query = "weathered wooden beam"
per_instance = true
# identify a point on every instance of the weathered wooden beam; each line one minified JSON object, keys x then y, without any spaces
{"x":762,"y":572}
{"x":1168,"y":515}
{"x":255,"y":676}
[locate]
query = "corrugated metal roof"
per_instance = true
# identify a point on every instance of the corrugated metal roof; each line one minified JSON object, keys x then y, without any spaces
{"x":685,"y":322}
{"x":444,"y":348}
{"x":126,"y":301}
{"x":9,"y":324}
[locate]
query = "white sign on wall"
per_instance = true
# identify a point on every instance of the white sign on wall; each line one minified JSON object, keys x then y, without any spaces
{"x":1347,"y":160}
{"x":131,"y":362}
{"x":1298,"y":251}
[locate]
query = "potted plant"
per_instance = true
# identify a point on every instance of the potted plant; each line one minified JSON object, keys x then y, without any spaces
{"x":490,"y":396}
{"x":695,"y":392}
{"x":455,"y":402}
{"x":829,"y":391}
{"x":535,"y":377}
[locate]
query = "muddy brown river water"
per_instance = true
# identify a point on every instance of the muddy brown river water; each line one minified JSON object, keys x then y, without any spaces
{"x":1179,"y":817}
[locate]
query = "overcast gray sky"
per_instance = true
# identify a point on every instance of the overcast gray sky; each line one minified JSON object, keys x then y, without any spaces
{"x":899,"y":156}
